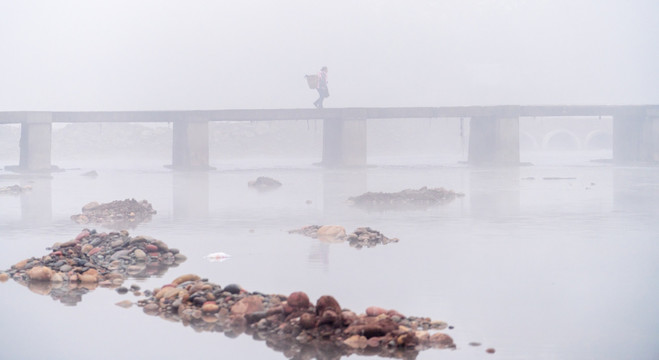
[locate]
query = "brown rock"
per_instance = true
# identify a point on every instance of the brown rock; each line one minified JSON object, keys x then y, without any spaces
{"x":40,"y":273}
{"x":183,"y":278}
{"x":441,"y":341}
{"x":88,"y":278}
{"x":356,"y":342}
{"x":375,"y":311}
{"x":298,"y":300}
{"x":407,"y":340}
{"x":4,"y":277}
{"x":210,"y":307}
{"x":327,"y":302}
{"x":307,"y":321}
{"x":247,"y":305}
{"x":21,"y":264}
{"x":331,"y":233}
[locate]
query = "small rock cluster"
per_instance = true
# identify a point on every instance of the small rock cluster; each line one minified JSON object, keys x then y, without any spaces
{"x":408,"y":198}
{"x":264,"y":183}
{"x":93,"y":259}
{"x":361,"y":237}
{"x":292,"y":324}
{"x":118,"y":214}
{"x":14,"y":189}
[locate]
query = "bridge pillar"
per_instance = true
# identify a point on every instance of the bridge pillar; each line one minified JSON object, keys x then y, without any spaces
{"x":190,"y":145}
{"x":35,"y":143}
{"x":344,"y":142}
{"x":493,"y":140}
{"x":636,"y":136}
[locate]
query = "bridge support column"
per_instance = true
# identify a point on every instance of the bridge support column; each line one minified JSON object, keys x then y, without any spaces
{"x":636,"y":136}
{"x":494,"y":141}
{"x":35,"y":143}
{"x":190,"y":145}
{"x":344,"y":142}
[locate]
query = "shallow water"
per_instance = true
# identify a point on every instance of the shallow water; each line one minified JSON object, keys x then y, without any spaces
{"x":551,"y":261}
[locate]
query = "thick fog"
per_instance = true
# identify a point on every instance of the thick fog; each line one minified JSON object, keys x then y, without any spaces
{"x":187,"y":55}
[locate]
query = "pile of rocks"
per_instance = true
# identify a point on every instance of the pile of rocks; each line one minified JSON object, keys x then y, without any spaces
{"x":119,"y":214}
{"x":367,"y":237}
{"x":93,"y":259}
{"x":404,"y":199}
{"x":264,"y":183}
{"x":14,"y":189}
{"x":292,"y":324}
{"x":361,"y":237}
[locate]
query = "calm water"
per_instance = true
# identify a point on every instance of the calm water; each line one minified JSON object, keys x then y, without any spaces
{"x":552,"y":261}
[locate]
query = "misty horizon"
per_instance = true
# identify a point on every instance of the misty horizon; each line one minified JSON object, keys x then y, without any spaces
{"x":155,"y":55}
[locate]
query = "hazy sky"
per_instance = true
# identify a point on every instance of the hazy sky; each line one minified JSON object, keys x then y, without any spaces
{"x":166,"y":55}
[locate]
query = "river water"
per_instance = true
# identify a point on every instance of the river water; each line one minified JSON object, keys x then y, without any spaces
{"x":557,"y":260}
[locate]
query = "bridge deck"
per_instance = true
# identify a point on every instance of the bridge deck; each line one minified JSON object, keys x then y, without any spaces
{"x":329,"y":113}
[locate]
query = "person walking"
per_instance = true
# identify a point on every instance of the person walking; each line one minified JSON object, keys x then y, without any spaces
{"x":323,"y":91}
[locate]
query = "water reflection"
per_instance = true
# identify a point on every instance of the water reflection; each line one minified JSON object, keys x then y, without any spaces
{"x":494,"y":192}
{"x":36,"y":204}
{"x":190,"y":194}
{"x":338,"y":186}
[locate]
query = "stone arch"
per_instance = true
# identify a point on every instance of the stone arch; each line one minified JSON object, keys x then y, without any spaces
{"x":599,"y":139}
{"x":561,"y":139}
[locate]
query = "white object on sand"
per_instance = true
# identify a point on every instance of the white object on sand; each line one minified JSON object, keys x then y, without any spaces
{"x":217,"y":256}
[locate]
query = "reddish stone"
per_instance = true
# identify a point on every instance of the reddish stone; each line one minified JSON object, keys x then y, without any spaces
{"x":375,"y":311}
{"x":56,"y":253}
{"x":307,"y":321}
{"x":82,"y":235}
{"x":395,"y":313}
{"x":327,"y":302}
{"x":248,"y":305}
{"x":439,"y":340}
{"x":93,"y":251}
{"x":298,"y":300}
{"x":150,"y":248}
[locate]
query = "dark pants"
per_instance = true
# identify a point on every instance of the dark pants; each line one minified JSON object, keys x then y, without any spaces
{"x":322,"y":94}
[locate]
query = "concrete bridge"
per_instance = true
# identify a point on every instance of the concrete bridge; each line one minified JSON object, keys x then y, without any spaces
{"x":494,"y":135}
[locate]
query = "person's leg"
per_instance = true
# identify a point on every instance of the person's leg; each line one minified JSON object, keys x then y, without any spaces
{"x":319,"y":101}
